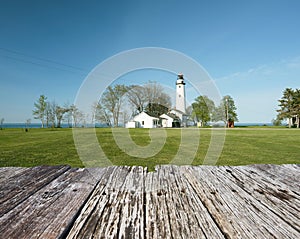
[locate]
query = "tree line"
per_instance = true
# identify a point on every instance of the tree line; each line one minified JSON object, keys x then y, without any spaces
{"x":289,"y":108}
{"x":51,"y":114}
{"x":119,"y":103}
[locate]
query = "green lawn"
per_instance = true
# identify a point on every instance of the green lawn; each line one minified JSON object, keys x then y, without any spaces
{"x":242,"y":146}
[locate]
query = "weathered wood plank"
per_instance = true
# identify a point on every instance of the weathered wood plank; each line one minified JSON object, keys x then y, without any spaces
{"x":174,"y":210}
{"x":158,"y":222}
{"x":288,"y":174}
{"x":19,"y":187}
{"x":238,"y":213}
{"x":7,"y":172}
{"x":132,"y":219}
{"x":273,"y":194}
{"x":48,"y":212}
{"x":116,"y":207}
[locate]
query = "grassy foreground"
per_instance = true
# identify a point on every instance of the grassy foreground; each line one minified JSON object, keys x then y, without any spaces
{"x":242,"y":146}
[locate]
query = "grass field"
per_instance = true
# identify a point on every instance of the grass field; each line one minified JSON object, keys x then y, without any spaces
{"x":242,"y":146}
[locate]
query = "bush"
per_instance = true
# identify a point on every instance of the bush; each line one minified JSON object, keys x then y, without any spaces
{"x":277,"y":122}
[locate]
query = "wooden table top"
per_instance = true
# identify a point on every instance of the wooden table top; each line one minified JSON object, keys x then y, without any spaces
{"x":255,"y":201}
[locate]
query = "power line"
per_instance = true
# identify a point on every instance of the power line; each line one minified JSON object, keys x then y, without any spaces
{"x":40,"y":59}
{"x":39,"y":64}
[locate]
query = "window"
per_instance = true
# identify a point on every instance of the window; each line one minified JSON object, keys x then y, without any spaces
{"x":143,"y":122}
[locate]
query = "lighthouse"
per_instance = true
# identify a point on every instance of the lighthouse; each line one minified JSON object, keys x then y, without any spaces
{"x":180,"y":94}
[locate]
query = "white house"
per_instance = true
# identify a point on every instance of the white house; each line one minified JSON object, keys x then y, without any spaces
{"x":143,"y":120}
{"x":169,"y":120}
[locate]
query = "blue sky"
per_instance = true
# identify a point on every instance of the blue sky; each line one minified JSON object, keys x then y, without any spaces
{"x":250,"y":48}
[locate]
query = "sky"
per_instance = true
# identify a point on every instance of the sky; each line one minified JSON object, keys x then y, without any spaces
{"x":250,"y":49}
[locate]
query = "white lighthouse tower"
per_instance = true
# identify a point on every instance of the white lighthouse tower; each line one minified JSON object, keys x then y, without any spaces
{"x":180,"y":94}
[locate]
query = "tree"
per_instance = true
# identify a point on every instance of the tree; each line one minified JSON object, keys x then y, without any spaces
{"x":112,"y":100}
{"x":77,"y":115}
{"x":50,"y":114}
{"x":1,"y":123}
{"x":27,"y":124}
{"x":40,"y":109}
{"x":137,"y":97}
{"x":156,"y":109}
{"x":276,"y":122}
{"x":286,"y":106}
{"x":147,"y":96}
{"x":59,"y":114}
{"x":226,"y":111}
{"x":297,"y":107}
{"x":125,"y":116}
{"x":203,"y":107}
{"x":155,"y":95}
{"x":290,"y":106}
{"x":68,"y":114}
{"x":190,"y":117}
{"x":101,"y":114}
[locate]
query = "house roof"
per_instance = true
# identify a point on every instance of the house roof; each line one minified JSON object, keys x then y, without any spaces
{"x":170,"y":115}
{"x":146,"y":115}
{"x":179,"y":111}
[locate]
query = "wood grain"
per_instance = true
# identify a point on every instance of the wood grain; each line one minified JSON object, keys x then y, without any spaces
{"x":255,"y":201}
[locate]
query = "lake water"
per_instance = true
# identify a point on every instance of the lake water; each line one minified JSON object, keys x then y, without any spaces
{"x":39,"y":125}
{"x":21,"y":125}
{"x":252,"y":124}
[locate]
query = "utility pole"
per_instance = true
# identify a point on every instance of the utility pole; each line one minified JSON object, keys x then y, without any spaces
{"x":227,"y":125}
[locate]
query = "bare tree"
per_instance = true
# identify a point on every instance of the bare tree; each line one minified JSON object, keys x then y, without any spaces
{"x":68,"y":114}
{"x":144,"y":97}
{"x":125,"y":116}
{"x":112,"y":101}
{"x":191,"y":118}
{"x":137,"y":97}
{"x":59,"y":114}
{"x":226,"y":111}
{"x":155,"y":95}
{"x":50,"y":113}
{"x":77,"y":115}
{"x":40,"y":109}
{"x":101,"y":114}
{"x":27,"y":124}
{"x":1,"y":123}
